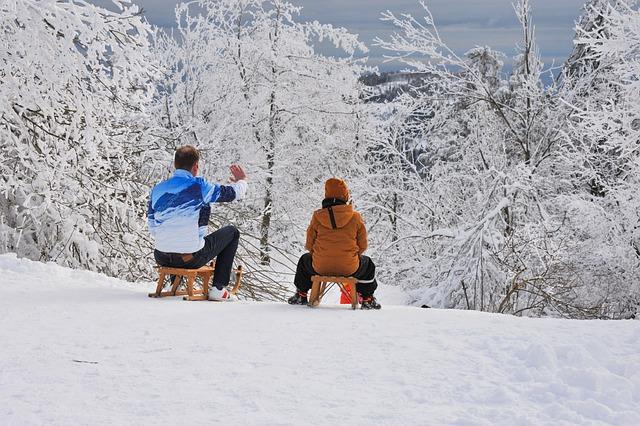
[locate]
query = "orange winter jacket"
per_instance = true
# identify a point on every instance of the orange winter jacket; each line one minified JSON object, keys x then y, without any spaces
{"x":336,"y":250}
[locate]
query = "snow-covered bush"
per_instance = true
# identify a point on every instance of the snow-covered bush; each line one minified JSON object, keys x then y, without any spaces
{"x":74,"y":79}
{"x":507,"y":223}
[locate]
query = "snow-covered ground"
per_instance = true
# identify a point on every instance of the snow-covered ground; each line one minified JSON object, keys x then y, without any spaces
{"x":81,"y":348}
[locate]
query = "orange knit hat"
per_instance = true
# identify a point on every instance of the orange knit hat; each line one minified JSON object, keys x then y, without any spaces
{"x":336,"y":188}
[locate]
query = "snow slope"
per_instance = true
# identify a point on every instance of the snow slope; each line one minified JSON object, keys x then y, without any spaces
{"x":81,"y":348}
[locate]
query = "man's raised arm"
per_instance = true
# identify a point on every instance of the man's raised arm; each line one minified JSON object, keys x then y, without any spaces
{"x":236,"y":190}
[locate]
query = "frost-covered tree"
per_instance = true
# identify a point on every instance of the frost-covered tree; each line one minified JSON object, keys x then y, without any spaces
{"x":498,"y":230}
{"x":74,"y":79}
{"x":481,"y":190}
{"x":246,"y":84}
{"x":595,"y":21}
{"x":604,"y":133}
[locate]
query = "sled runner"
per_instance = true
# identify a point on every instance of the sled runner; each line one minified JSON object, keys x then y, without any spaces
{"x":321,"y":285}
{"x":191,"y":292}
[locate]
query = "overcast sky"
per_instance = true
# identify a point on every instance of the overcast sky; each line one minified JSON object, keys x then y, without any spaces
{"x":463,"y":24}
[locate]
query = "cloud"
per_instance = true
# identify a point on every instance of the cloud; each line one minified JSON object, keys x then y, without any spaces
{"x":463,"y":24}
{"x":158,"y":12}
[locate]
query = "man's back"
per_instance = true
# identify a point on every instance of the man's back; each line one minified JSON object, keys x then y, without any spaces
{"x":179,"y":210}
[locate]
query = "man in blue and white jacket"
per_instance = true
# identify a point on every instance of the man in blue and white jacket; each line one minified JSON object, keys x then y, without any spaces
{"x":178,"y":216}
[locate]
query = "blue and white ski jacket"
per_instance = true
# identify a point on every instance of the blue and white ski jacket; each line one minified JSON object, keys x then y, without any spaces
{"x":179,"y":210}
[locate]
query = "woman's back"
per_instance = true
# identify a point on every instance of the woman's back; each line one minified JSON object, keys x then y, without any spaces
{"x":336,"y":238}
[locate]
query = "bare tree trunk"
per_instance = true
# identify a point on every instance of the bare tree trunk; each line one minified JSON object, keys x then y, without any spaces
{"x":393,"y":218}
{"x":265,"y":258}
{"x":267,"y":211}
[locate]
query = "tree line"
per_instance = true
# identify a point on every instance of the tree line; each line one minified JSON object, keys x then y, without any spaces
{"x":482,"y":189}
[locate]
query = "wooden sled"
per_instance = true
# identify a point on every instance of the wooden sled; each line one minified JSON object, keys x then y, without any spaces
{"x":192,"y":291}
{"x":321,"y":285}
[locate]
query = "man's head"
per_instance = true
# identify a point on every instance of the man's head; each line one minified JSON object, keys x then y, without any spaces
{"x":187,"y":158}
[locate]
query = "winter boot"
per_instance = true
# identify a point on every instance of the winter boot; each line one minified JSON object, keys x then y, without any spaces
{"x":300,"y":298}
{"x":370,"y":303}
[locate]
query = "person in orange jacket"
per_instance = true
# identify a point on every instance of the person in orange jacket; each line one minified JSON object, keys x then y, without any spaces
{"x":336,"y":241}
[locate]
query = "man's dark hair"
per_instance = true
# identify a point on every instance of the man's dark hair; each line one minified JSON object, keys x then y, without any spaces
{"x":186,"y":157}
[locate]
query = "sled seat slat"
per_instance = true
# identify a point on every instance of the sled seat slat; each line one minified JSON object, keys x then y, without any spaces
{"x":320,"y":284}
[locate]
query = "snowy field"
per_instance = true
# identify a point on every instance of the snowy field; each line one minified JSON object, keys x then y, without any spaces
{"x":81,"y":348}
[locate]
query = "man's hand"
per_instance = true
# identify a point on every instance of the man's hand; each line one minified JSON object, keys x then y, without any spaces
{"x":237,"y":173}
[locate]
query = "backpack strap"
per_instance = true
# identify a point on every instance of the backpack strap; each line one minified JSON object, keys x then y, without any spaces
{"x":332,"y":218}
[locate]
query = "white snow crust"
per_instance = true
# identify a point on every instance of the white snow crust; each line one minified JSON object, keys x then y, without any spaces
{"x":82,"y":348}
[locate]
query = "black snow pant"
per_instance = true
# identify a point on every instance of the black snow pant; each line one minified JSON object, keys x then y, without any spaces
{"x":221,"y":244}
{"x":366,"y":275}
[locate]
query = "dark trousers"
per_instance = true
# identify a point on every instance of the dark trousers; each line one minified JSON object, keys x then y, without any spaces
{"x":221,"y":245}
{"x":366,"y":272}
